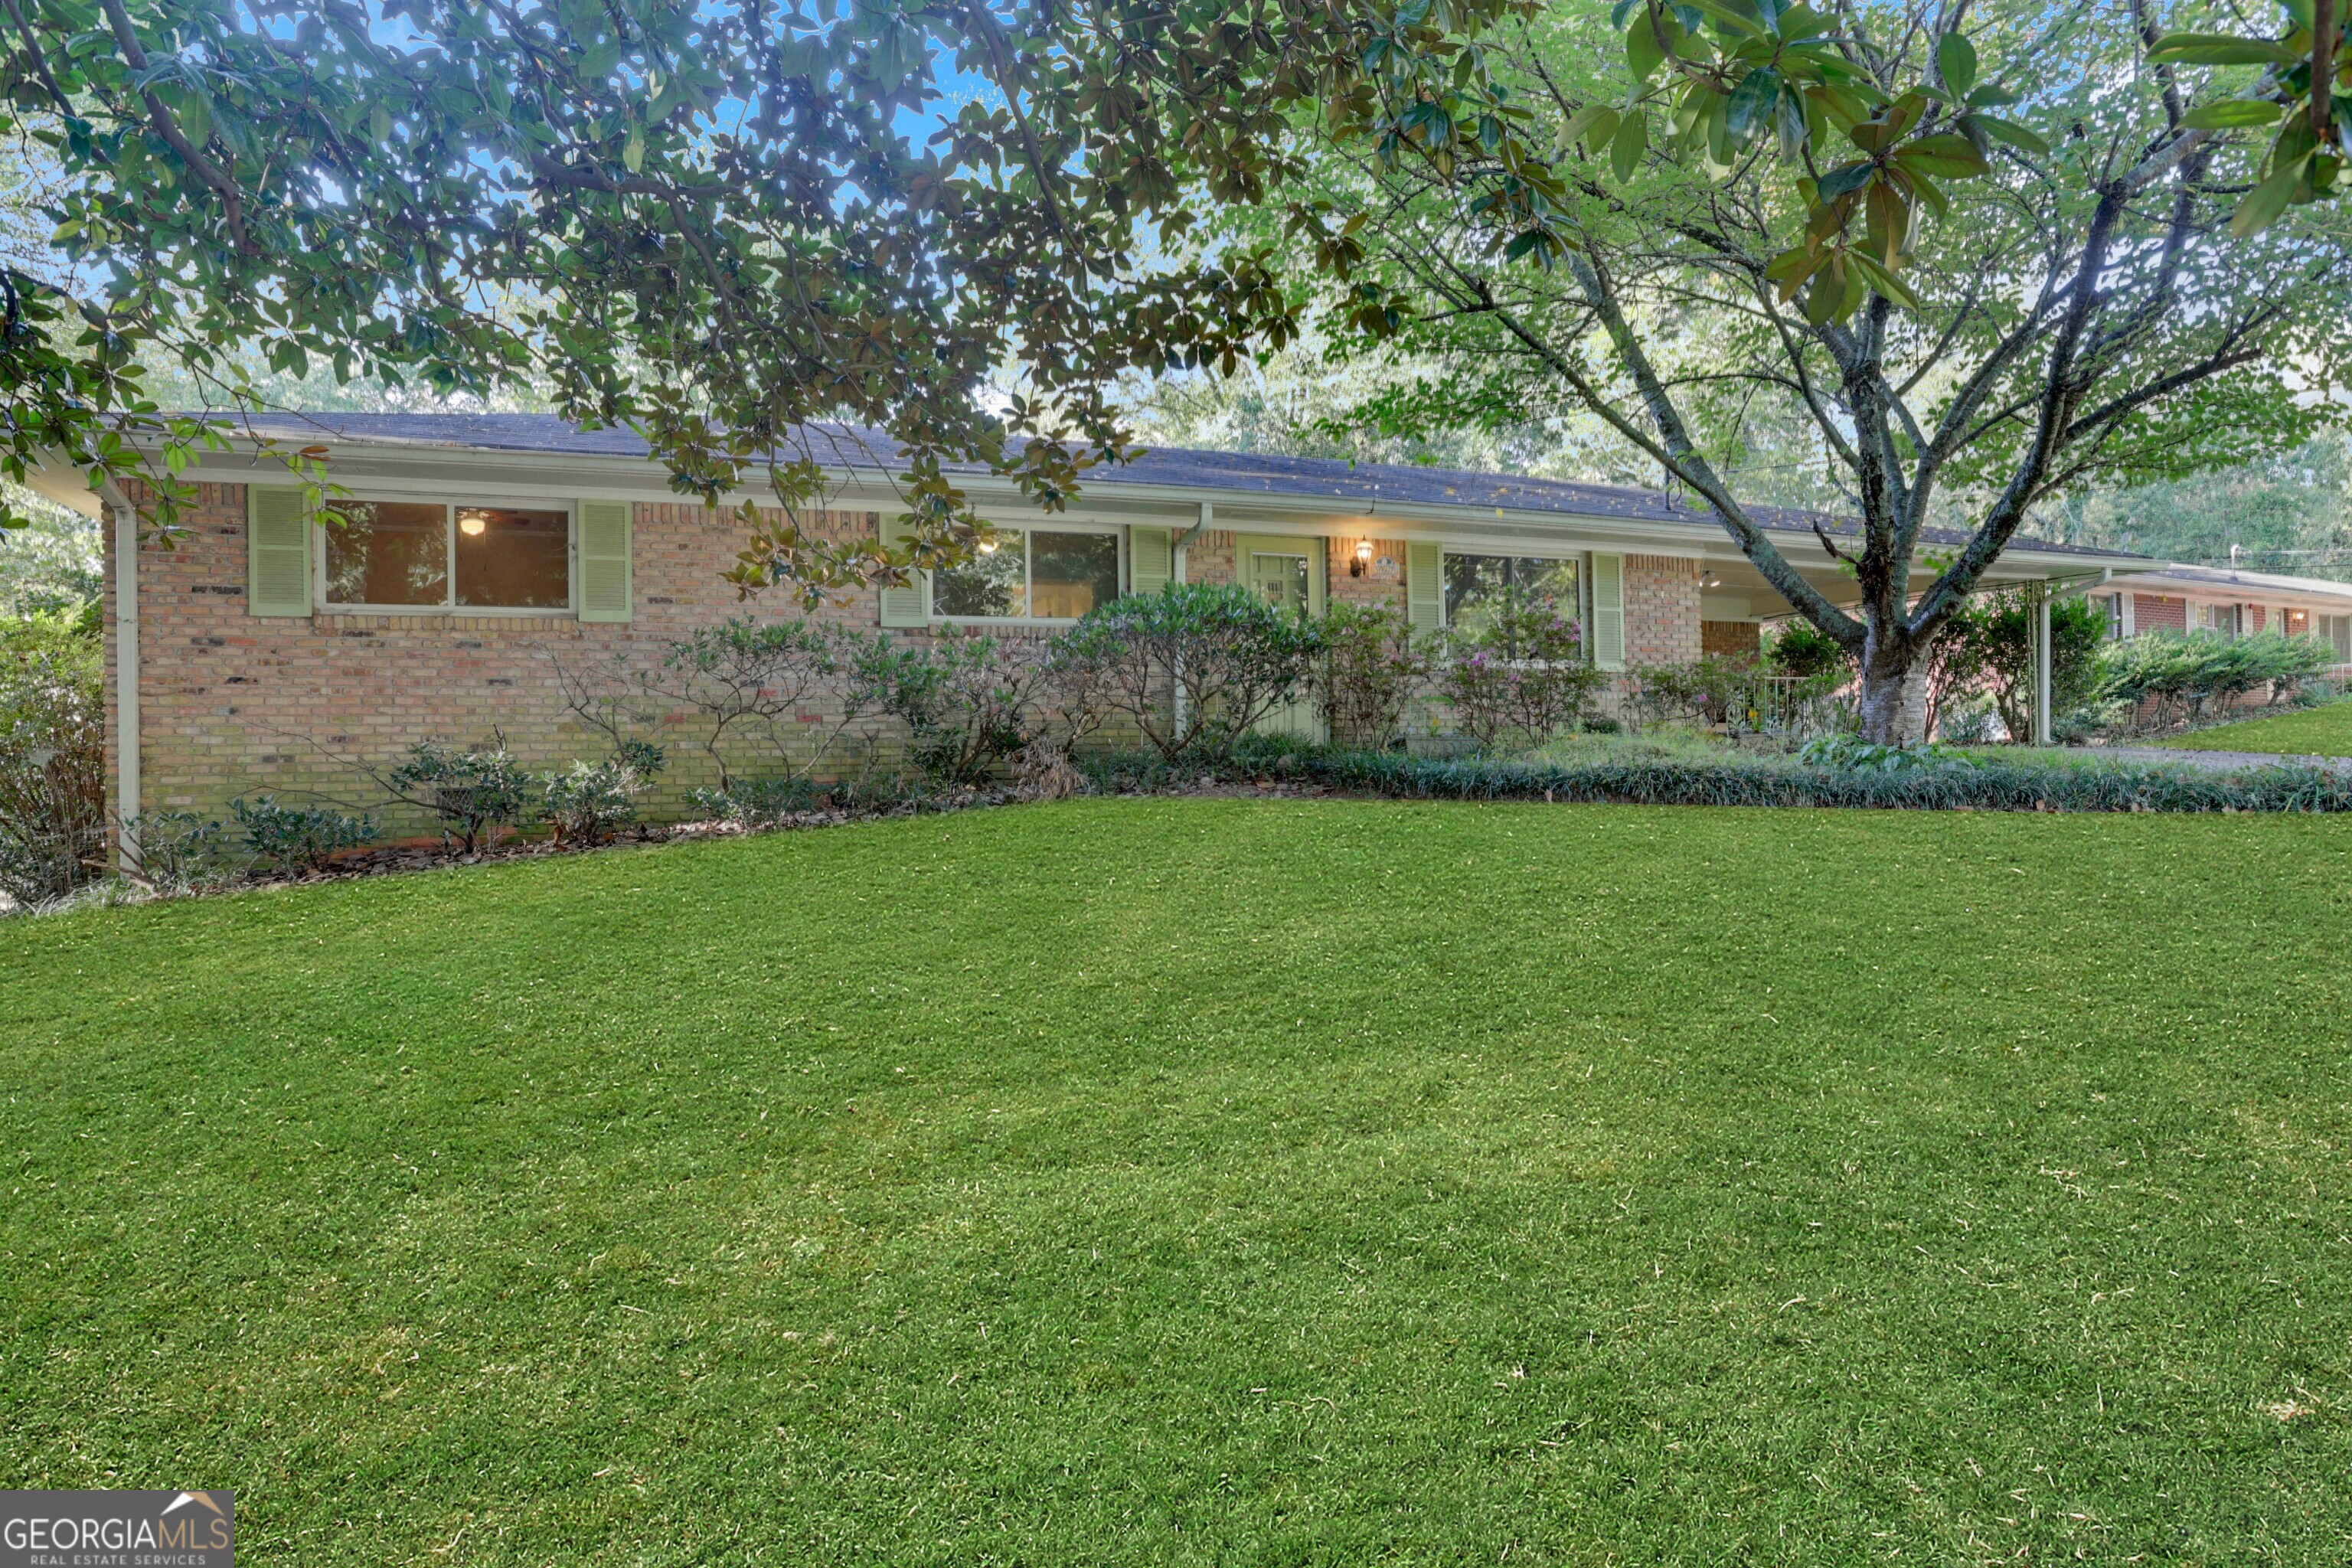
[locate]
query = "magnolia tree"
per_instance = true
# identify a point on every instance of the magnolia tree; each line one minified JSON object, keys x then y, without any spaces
{"x":1984,"y":251}
{"x":1980,"y":253}
{"x":767,"y":238}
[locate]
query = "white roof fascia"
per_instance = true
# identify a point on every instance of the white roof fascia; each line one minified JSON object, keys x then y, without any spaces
{"x":2257,"y":584}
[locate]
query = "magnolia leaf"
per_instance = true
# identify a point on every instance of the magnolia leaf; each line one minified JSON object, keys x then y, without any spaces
{"x":1887,"y":223}
{"x":1625,"y":149}
{"x":2233,"y":112}
{"x":1821,"y":300}
{"x":2016,"y":135}
{"x":1644,"y":53}
{"x":1953,"y":157}
{"x":1884,"y":279}
{"x":1750,"y":101}
{"x":1955,"y":57}
{"x":1846,"y":177}
{"x":1800,"y":22}
{"x":1788,"y":122}
{"x":1583,"y":121}
{"x":2219,"y":49}
{"x":2266,"y":201}
{"x":1729,"y":19}
{"x":1930,"y":195}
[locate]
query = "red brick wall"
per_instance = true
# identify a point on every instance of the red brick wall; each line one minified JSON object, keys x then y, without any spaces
{"x":237,"y":705}
{"x":1662,"y":611}
{"x":2158,"y":612}
{"x":233,"y":705}
{"x":1383,"y":579}
{"x":1730,"y":639}
{"x":1210,"y":557}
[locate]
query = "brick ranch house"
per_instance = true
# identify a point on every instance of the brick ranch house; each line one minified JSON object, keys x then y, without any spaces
{"x":2229,"y":601}
{"x":264,"y":657}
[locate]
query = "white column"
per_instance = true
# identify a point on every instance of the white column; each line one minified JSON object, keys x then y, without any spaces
{"x":2042,"y":665}
{"x":126,"y":680}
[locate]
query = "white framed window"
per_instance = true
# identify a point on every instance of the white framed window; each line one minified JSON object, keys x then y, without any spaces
{"x":1032,"y":574}
{"x":395,"y":556}
{"x":2337,"y":631}
{"x":1478,"y":587}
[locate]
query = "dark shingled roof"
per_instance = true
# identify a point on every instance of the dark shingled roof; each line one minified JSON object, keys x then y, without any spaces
{"x":1391,"y":485}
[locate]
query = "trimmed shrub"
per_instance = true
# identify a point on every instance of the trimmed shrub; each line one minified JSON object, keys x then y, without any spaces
{"x":752,"y":680}
{"x":2001,"y":632}
{"x":1372,"y":667}
{"x":756,"y":802}
{"x":52,"y":757}
{"x":587,"y":802}
{"x":1803,"y":649}
{"x":180,"y":852}
{"x":471,"y":792}
{"x":971,"y":701}
{"x":304,"y":837}
{"x":1522,"y":677}
{"x":2193,"y":677}
{"x":1194,"y":665}
{"x":1742,"y":692}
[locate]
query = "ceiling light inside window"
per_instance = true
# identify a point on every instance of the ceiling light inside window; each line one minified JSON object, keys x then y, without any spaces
{"x":472,"y":525}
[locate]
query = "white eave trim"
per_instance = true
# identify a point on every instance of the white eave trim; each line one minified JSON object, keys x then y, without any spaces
{"x":447,"y":472}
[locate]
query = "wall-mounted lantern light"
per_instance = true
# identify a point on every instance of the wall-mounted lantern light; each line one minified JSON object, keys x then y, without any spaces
{"x":1363,"y":558}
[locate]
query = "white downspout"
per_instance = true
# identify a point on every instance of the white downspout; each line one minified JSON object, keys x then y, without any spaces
{"x":2041,"y":666}
{"x":1180,"y":555}
{"x":126,"y":681}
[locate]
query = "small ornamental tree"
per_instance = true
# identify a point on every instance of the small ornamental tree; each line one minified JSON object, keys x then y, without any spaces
{"x":1194,"y":666}
{"x":1372,"y":667}
{"x":970,"y":701}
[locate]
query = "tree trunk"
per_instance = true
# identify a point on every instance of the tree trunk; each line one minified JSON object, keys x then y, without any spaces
{"x":1893,"y":698}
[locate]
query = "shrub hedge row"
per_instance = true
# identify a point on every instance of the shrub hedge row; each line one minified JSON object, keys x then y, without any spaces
{"x":1991,"y":784}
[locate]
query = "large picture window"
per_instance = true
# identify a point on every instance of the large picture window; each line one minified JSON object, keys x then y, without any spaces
{"x":1479,"y":586}
{"x":1030,"y":573}
{"x":431,"y":555}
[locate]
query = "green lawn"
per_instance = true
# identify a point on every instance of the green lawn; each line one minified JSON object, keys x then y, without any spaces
{"x":1214,"y":1182}
{"x":2325,"y":731}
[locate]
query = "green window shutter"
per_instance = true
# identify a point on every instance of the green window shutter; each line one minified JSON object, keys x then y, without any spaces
{"x":909,"y":606}
{"x":1150,"y":561}
{"x":606,"y":593}
{"x":1609,"y":612}
{"x":1424,"y":586}
{"x":277,"y":552}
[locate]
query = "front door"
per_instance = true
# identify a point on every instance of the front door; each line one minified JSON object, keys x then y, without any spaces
{"x":1287,"y":582}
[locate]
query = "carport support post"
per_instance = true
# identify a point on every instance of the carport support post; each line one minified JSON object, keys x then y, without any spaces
{"x":2042,"y":663}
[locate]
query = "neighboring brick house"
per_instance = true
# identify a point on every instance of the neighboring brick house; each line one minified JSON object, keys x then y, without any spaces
{"x":494,"y":557}
{"x":2232,"y":603}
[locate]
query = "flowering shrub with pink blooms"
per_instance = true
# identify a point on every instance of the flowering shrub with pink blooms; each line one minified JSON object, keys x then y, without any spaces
{"x":1522,"y":678}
